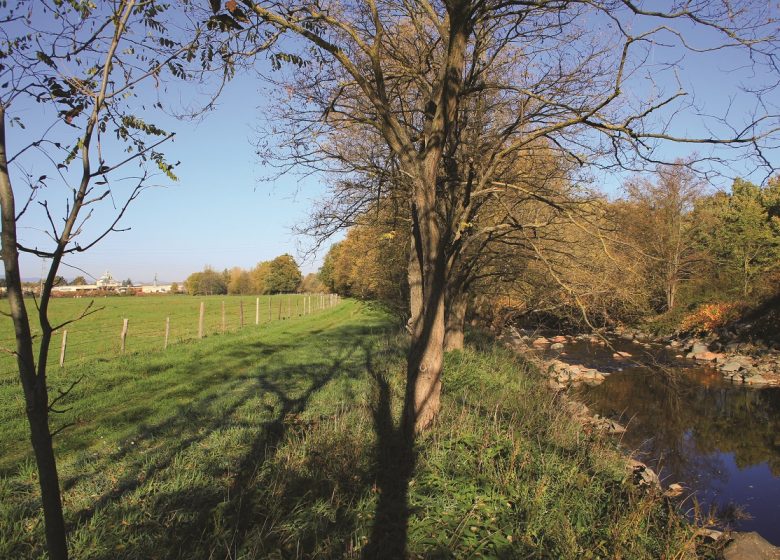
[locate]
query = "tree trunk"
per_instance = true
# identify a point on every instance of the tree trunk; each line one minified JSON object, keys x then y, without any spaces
{"x":671,"y":294}
{"x":426,"y":351}
{"x":455,"y":319}
{"x":33,"y":384}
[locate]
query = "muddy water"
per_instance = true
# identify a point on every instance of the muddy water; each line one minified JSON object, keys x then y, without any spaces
{"x":721,"y":441}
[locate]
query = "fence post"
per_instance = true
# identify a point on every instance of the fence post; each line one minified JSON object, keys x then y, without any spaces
{"x":62,"y":349}
{"x":200,"y":320}
{"x":281,"y":301}
{"x":124,"y":334}
{"x":167,"y":332}
{"x":223,"y":317}
{"x":257,"y":311}
{"x":241,"y":314}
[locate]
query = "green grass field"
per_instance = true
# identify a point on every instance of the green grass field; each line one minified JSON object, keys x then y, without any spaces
{"x":283,"y":442}
{"x":98,"y":334}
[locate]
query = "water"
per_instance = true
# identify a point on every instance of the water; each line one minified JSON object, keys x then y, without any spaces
{"x":720,"y":440}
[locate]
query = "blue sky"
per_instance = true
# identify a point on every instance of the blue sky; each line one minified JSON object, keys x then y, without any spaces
{"x":222,"y":214}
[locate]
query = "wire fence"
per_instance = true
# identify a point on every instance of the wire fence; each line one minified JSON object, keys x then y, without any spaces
{"x":114,"y":326}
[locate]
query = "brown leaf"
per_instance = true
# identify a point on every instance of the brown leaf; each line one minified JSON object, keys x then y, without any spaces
{"x":230,"y":5}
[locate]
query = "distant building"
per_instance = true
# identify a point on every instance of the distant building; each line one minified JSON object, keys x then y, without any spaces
{"x":107,"y":283}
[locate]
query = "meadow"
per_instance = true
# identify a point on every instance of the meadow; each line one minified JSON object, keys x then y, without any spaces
{"x":98,"y":334}
{"x":284,"y":442}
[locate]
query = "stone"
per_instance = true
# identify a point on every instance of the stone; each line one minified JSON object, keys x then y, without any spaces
{"x":643,"y":475}
{"x":731,"y":365}
{"x":674,"y":490}
{"x":710,"y":535}
{"x":699,"y":348}
{"x":541,"y":341}
{"x":556,"y":346}
{"x":756,"y":380}
{"x":750,"y":546}
{"x":555,"y":385}
{"x":558,"y":339}
{"x":707,"y":356}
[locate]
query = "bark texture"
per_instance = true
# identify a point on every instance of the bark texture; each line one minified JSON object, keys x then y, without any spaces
{"x":33,"y":382}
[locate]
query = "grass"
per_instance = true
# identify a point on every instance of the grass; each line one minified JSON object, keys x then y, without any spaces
{"x":283,"y":443}
{"x":98,"y":334}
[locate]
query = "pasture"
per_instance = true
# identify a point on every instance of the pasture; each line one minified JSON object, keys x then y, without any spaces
{"x":98,"y":334}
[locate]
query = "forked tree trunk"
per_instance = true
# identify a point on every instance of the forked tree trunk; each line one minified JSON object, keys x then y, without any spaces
{"x":455,"y":318}
{"x":33,"y":383}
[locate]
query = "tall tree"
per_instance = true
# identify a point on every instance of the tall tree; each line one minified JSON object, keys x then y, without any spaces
{"x":744,"y":234}
{"x":284,"y":276}
{"x":659,"y":220}
{"x":405,"y":71}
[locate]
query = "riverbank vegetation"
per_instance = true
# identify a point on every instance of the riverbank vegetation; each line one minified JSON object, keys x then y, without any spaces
{"x":285,"y":443}
{"x":671,"y":252}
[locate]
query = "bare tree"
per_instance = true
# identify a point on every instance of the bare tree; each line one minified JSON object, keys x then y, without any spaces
{"x":82,"y":64}
{"x":658,"y":221}
{"x":569,"y":76}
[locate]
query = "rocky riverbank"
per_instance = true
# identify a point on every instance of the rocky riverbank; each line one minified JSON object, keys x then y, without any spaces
{"x":754,"y":363}
{"x":751,"y":365}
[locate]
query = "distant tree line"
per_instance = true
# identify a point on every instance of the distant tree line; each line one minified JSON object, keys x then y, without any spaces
{"x":278,"y":276}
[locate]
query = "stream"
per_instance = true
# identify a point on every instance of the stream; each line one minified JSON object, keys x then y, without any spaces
{"x":721,"y":441}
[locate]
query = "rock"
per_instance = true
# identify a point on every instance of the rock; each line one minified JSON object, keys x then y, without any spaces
{"x":710,"y":535}
{"x":756,"y":379}
{"x":556,"y":346}
{"x":674,"y":490}
{"x":731,"y":365}
{"x":555,"y":385}
{"x":707,"y":356}
{"x":541,"y":341}
{"x":643,"y":475}
{"x":732,"y":347}
{"x":558,"y":339}
{"x":699,"y":348}
{"x":750,"y":546}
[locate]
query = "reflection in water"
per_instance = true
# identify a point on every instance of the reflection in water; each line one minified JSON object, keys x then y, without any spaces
{"x":718,"y":439}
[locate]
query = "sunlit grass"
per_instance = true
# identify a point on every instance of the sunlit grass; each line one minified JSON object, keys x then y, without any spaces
{"x":263,"y":444}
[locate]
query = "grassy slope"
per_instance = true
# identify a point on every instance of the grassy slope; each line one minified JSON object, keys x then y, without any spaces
{"x":279,"y":443}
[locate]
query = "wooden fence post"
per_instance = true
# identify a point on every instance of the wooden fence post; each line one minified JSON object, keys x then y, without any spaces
{"x":202,"y":317}
{"x":167,"y":332}
{"x":124,"y":334}
{"x":241,"y":314}
{"x":64,"y":345}
{"x":257,"y":311}
{"x":280,"y":307}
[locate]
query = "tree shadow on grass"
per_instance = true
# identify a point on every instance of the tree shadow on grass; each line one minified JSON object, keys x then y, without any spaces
{"x":206,"y":478}
{"x":395,"y":461}
{"x":195,"y":520}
